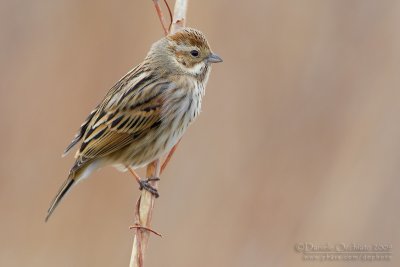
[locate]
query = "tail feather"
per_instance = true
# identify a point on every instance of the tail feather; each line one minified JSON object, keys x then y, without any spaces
{"x":82,"y":168}
{"x":61,"y":193}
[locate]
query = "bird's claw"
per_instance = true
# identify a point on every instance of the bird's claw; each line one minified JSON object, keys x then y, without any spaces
{"x":145,"y":184}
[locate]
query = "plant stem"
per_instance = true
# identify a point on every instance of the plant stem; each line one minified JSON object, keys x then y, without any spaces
{"x":145,"y":204}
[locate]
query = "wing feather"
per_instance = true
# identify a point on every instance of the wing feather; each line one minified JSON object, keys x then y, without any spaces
{"x":119,"y":120}
{"x":80,"y":132}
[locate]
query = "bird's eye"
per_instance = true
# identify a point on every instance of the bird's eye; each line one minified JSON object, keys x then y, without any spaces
{"x":194,"y":53}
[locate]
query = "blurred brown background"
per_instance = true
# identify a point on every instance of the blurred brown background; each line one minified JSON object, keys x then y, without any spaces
{"x":298,"y":141}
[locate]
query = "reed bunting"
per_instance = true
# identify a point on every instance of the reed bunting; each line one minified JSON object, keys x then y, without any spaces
{"x":146,"y":112}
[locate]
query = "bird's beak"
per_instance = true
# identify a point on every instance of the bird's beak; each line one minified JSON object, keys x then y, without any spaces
{"x":214,"y":58}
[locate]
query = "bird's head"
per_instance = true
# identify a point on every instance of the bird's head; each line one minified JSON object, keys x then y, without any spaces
{"x":189,"y":51}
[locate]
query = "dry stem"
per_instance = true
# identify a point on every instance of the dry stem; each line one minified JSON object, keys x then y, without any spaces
{"x":169,"y":156}
{"x":179,"y":15}
{"x":145,"y":204}
{"x":143,"y":215}
{"x":161,"y":16}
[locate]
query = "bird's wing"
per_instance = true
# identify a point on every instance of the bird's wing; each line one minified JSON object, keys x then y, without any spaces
{"x":123,"y":116}
{"x":134,"y":79}
{"x":81,"y":132}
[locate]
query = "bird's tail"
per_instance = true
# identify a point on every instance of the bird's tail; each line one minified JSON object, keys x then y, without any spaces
{"x":81,"y":169}
{"x":61,"y":193}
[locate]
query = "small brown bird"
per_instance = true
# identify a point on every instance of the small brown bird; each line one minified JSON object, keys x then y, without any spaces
{"x":146,"y":112}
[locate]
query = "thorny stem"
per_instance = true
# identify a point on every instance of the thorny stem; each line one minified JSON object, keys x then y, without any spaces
{"x":161,"y":16}
{"x":179,"y":15}
{"x":171,"y":19}
{"x":145,"y":228}
{"x":143,"y":215}
{"x":145,"y":204}
{"x":169,"y":156}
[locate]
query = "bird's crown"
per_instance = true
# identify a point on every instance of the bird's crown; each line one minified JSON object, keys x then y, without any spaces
{"x":190,"y":37}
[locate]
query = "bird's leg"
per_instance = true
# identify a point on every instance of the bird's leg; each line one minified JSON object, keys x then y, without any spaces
{"x":145,"y":183}
{"x":134,"y":174}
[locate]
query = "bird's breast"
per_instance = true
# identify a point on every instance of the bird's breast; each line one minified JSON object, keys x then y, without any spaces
{"x":181,"y":106}
{"x":184,"y":105}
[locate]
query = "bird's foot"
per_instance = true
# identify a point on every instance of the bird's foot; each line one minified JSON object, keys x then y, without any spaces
{"x":145,"y":184}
